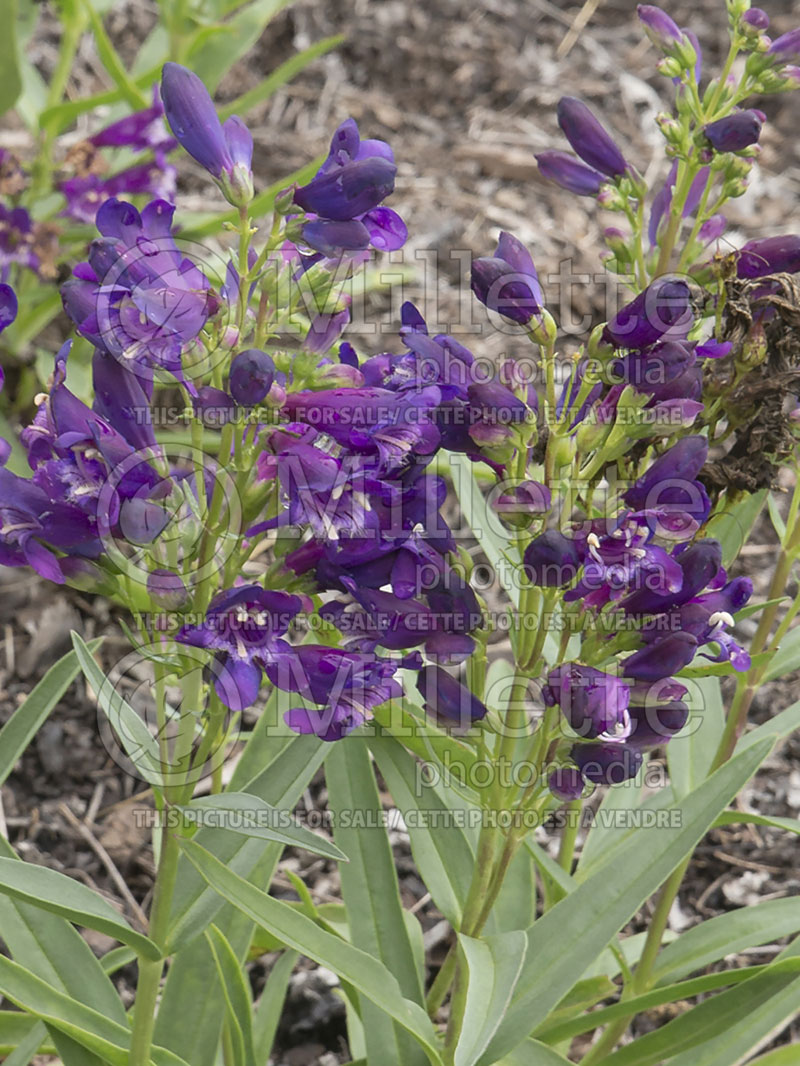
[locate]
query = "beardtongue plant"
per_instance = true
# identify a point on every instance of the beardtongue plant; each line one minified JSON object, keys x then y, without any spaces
{"x":287,"y":563}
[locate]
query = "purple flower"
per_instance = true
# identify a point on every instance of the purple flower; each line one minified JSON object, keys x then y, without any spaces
{"x":699,"y":565}
{"x":769,"y":255}
{"x":346,"y":686}
{"x":588,"y":138}
{"x":224,"y":149}
{"x":447,"y":699}
{"x":251,"y":375}
{"x":353,"y":181}
{"x":8,"y":306}
{"x":243,"y":626}
{"x":213,"y":407}
{"x":670,"y":483}
{"x":552,"y":560}
{"x":138,"y":298}
{"x":735,"y":132}
{"x":664,"y":307}
{"x":139,"y":131}
{"x":17,"y":239}
{"x":507,"y":282}
{"x":571,"y":175}
{"x":86,"y":194}
{"x":607,"y":764}
{"x":593,"y":702}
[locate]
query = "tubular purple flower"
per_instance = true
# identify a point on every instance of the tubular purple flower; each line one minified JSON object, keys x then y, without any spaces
{"x":571,"y":175}
{"x":664,"y":307}
{"x":594,"y":703}
{"x":446,"y":698}
{"x":735,"y":132}
{"x":588,"y":138}
{"x":507,"y":282}
{"x":353,"y":180}
{"x":769,"y":255}
{"x":224,"y":149}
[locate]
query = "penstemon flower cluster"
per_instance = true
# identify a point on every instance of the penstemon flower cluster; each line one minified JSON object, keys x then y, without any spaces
{"x":290,"y":559}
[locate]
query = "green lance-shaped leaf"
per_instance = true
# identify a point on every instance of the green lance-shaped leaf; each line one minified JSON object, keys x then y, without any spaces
{"x":493,"y":968}
{"x":53,"y":891}
{"x":575,"y":930}
{"x":365,"y":973}
{"x":236,"y":991}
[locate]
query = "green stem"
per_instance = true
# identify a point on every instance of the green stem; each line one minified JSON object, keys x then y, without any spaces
{"x":150,"y":971}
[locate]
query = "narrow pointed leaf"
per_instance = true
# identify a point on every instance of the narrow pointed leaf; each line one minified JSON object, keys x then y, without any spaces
{"x":493,"y":968}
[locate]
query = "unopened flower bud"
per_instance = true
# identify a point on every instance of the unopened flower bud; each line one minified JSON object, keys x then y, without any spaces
{"x":337,"y":376}
{"x":251,"y":375}
{"x":669,"y":67}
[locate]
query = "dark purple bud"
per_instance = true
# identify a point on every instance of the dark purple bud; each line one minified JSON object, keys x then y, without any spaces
{"x":756,"y":19}
{"x":656,"y":724}
{"x":507,"y":282}
{"x":661,"y":658}
{"x":588,"y":138}
{"x":571,"y":175}
{"x":8,"y":306}
{"x":786,"y":48}
{"x":734,"y":132}
{"x":445,"y":697}
{"x":680,"y":463}
{"x":226,"y":151}
{"x":769,"y":255}
{"x":663,"y":307}
{"x":607,"y":764}
{"x":659,"y":27}
{"x":551,"y":560}
{"x":213,"y":407}
{"x":593,"y":702}
{"x":167,"y":589}
{"x":251,"y":375}
{"x":566,"y":783}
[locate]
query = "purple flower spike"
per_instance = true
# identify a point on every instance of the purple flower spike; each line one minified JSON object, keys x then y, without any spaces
{"x":588,"y":138}
{"x":593,"y":702}
{"x":551,"y":560}
{"x":769,"y":255}
{"x":8,"y":306}
{"x":446,"y":698}
{"x":735,"y":132}
{"x":251,"y":375}
{"x":507,"y":282}
{"x":566,"y":783}
{"x":571,"y":175}
{"x":607,"y":764}
{"x":226,"y":151}
{"x":664,"y":307}
{"x":659,"y":27}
